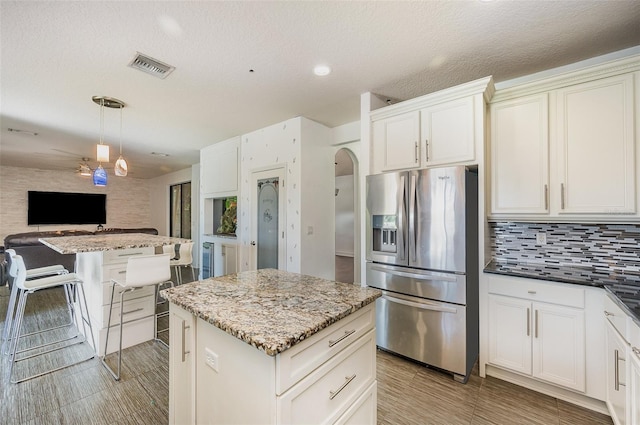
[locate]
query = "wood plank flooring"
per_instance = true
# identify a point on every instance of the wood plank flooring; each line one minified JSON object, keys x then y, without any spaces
{"x":408,"y":393}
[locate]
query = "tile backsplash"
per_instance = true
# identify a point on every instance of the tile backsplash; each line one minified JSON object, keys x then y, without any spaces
{"x":610,"y":246}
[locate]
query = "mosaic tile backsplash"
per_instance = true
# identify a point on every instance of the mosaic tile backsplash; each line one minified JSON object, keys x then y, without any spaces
{"x":612,"y":247}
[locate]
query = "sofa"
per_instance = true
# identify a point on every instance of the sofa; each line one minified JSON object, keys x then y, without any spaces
{"x":35,"y":254}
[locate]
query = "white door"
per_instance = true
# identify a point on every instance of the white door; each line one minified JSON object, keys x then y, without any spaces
{"x":268,"y":209}
{"x":510,"y":333}
{"x":616,"y":383}
{"x":558,"y":345}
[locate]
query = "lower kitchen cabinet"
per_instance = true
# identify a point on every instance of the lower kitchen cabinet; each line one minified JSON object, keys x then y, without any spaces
{"x":538,"y":330}
{"x":634,"y":381}
{"x":182,"y":365}
{"x":616,"y":382}
{"x":539,"y":339}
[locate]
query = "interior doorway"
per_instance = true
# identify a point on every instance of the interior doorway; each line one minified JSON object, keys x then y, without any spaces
{"x":180,"y":210}
{"x":345,"y":197}
{"x":268,"y":219}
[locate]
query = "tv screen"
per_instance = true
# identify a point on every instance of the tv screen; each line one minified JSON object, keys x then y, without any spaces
{"x":66,"y":208}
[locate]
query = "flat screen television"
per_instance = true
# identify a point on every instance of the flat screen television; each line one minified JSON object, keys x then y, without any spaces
{"x":66,"y":208}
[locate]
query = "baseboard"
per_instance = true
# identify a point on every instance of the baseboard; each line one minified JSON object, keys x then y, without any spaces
{"x":550,"y":390}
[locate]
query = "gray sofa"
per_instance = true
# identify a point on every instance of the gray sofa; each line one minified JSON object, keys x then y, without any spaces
{"x":35,"y":254}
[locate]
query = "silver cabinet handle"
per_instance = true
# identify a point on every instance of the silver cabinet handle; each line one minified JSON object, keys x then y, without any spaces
{"x":132,"y":311}
{"x":426,"y":142}
{"x":561,"y":196}
{"x":122,"y":272}
{"x":616,"y":371}
{"x":133,"y":253}
{"x":417,"y":154}
{"x":184,"y":331}
{"x":636,"y":351}
{"x":346,"y":334}
{"x":546,"y":197}
{"x":536,"y":324}
{"x":531,"y":292}
{"x":607,"y":314}
{"x":332,"y":394}
{"x":528,"y":321}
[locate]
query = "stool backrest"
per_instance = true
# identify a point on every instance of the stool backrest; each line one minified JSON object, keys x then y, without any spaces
{"x":19,"y":270}
{"x":12,"y":264}
{"x":148,"y":270}
{"x":186,"y":256}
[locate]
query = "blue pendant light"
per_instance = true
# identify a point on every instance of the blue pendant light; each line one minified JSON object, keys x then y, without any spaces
{"x":100,"y":176}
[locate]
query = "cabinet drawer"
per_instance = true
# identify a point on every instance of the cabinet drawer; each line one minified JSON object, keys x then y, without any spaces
{"x":144,"y":291}
{"x":132,"y":310}
{"x":118,"y":256}
{"x":553,"y":293}
{"x":617,"y":317}
{"x":298,"y":361}
{"x":364,"y":410}
{"x":329,"y":391}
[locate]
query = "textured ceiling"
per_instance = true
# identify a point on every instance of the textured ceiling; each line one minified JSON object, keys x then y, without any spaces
{"x":56,"y":55}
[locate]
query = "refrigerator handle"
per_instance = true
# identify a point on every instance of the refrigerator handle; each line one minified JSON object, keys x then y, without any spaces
{"x":402,"y":219}
{"x":412,"y":218}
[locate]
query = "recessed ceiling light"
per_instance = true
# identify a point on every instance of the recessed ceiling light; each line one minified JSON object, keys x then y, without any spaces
{"x":159,"y":154}
{"x":322,"y":70}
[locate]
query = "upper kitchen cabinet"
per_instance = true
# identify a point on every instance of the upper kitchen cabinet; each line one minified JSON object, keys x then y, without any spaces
{"x":446,"y":127}
{"x":219,"y":168}
{"x":564,"y":148}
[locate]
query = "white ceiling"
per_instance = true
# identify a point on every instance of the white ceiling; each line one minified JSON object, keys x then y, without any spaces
{"x":56,"y":55}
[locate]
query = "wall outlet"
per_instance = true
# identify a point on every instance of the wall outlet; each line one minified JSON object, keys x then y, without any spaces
{"x":541,"y":238}
{"x":211,"y":359}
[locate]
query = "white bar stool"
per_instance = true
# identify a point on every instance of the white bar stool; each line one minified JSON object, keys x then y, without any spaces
{"x":184,"y":258}
{"x":11,"y":307}
{"x":71,"y":283}
{"x":141,"y":271}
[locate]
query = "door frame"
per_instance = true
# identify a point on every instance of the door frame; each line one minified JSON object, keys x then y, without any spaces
{"x":279,"y":171}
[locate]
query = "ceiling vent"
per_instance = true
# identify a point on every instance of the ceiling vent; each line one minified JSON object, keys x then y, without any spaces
{"x":151,"y":66}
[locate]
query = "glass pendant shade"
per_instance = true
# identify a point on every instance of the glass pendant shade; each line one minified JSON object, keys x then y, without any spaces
{"x":121,"y":167}
{"x":100,"y":176}
{"x":103,"y":153}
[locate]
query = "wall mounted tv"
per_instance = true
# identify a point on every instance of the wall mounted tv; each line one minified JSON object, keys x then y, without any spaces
{"x":66,"y":208}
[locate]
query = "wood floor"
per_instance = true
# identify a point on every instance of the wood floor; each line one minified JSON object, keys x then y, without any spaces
{"x":408,"y":393}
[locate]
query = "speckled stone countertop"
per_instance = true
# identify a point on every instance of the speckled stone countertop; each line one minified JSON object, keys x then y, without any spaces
{"x":590,"y":276}
{"x":269,"y":309}
{"x":92,"y":243}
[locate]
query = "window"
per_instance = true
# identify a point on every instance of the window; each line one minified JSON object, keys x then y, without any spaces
{"x":180,"y":216}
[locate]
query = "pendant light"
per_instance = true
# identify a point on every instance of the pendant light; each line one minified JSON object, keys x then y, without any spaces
{"x":121,"y":166}
{"x":102,"y":150}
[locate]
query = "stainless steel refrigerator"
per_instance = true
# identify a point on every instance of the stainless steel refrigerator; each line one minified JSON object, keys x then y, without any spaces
{"x":422,"y":252}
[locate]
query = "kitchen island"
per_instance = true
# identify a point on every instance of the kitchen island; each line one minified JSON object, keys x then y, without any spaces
{"x":100,"y":258}
{"x":271,"y":346}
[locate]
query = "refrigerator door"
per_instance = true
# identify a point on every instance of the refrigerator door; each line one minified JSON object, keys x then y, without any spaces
{"x":430,"y":332}
{"x":437,"y":219}
{"x":387,"y":218}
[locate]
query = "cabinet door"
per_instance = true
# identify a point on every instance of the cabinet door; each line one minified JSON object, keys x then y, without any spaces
{"x":558,"y":345}
{"x":181,"y":366}
{"x":520,"y":156}
{"x":219,"y":167}
{"x":448,"y":132}
{"x":510,"y":333}
{"x":396,"y":142}
{"x":634,"y":385}
{"x":229,"y":260}
{"x":616,"y":385}
{"x":595,"y":135}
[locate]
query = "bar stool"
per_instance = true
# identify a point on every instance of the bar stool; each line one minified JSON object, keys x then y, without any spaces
{"x":141,"y":271}
{"x":184,"y":258}
{"x":72,"y":284}
{"x":31,"y":274}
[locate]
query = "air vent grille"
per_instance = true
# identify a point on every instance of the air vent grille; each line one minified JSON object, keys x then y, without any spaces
{"x":151,"y":66}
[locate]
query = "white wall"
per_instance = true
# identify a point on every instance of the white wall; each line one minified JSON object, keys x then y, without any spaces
{"x":128,"y":199}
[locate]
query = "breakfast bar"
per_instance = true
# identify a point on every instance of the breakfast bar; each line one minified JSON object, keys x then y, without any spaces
{"x":270,"y":346}
{"x":99,"y":258}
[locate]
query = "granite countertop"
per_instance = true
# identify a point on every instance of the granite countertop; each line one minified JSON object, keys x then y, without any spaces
{"x":577,"y":275}
{"x":269,"y":309}
{"x":92,"y":243}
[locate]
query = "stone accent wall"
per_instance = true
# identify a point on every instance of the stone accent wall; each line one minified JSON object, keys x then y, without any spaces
{"x":128,"y":199}
{"x":610,"y":246}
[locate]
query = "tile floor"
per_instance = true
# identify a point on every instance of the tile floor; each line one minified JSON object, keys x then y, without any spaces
{"x":408,"y":393}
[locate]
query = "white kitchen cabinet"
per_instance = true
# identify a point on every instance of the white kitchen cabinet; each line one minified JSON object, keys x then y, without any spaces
{"x":520,"y":156}
{"x":229,"y":259}
{"x":448,"y":132}
{"x":397,"y":141}
{"x":633,"y":359}
{"x":595,"y":147}
{"x":538,"y":329}
{"x":445,"y":127}
{"x":219,"y":165}
{"x":616,"y":382}
{"x":565,"y":147}
{"x":182,"y":333}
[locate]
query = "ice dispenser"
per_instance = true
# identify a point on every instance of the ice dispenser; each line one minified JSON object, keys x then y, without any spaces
{"x":385,"y":229}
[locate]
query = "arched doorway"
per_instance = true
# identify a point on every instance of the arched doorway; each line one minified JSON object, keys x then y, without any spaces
{"x":345,"y":217}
